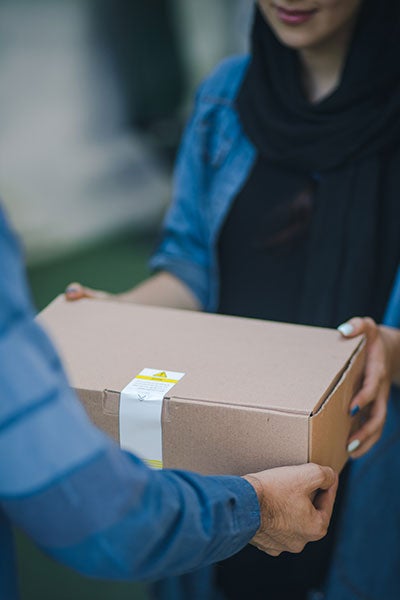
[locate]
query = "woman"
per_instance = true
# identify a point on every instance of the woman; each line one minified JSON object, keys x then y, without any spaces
{"x":286,"y":208}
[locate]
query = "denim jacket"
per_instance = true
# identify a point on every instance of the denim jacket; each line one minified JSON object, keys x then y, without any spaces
{"x":214,"y":162}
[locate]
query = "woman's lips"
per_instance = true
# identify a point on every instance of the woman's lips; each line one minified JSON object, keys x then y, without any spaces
{"x":294,"y":17}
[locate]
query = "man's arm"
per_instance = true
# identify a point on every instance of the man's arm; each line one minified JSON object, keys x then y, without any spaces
{"x":103,"y":511}
{"x":73,"y":490}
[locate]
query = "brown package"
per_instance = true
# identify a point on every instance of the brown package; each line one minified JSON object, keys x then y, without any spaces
{"x":255,"y":394}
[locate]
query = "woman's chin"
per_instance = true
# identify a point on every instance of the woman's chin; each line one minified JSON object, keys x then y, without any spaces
{"x":298,"y":40}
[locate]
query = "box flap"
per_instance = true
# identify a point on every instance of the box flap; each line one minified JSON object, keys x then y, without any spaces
{"x":331,"y":426}
{"x":281,"y":367}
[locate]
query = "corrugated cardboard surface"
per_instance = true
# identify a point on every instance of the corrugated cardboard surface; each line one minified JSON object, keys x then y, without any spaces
{"x":221,"y":439}
{"x":331,"y":425}
{"x":237,"y":370}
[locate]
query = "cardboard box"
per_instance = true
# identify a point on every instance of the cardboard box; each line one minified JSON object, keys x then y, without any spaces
{"x":249,"y":395}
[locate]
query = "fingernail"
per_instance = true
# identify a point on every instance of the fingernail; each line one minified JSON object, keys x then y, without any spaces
{"x":72,"y":290}
{"x":354,"y":410}
{"x":346,"y":328}
{"x":353,"y":446}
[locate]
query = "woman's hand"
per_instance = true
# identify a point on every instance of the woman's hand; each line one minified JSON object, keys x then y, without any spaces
{"x":76,"y":291}
{"x":382,"y":347}
{"x":162,"y":289}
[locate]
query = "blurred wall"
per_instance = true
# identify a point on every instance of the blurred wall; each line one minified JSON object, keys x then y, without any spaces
{"x":209,"y":30}
{"x":71,"y":171}
{"x":94,"y":96}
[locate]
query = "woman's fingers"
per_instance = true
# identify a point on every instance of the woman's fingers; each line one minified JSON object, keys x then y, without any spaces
{"x":375,"y":387}
{"x":362,"y":440}
{"x":359,"y":326}
{"x":76,"y":291}
{"x":375,"y":370}
{"x":375,"y":377}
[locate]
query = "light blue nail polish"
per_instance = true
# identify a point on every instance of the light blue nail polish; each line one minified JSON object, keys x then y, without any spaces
{"x":354,"y":410}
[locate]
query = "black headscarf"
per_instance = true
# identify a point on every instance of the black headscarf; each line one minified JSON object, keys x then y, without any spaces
{"x":351,"y":139}
{"x":360,"y":118}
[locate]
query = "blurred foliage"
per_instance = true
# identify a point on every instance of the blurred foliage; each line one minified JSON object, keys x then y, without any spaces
{"x":114,"y":265}
{"x":43,"y":579}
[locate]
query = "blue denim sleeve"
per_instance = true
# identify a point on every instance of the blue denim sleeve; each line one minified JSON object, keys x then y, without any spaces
{"x":184,"y":250}
{"x":392,"y":315}
{"x":82,"y":499}
{"x":205,"y":182}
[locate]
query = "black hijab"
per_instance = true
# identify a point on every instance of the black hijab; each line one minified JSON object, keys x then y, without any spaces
{"x":360,"y":118}
{"x":351,"y":140}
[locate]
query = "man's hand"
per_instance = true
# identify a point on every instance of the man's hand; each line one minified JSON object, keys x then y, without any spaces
{"x":296,"y":505}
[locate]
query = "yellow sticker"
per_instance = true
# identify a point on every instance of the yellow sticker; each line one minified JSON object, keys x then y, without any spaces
{"x":155,"y":378}
{"x":154,"y":464}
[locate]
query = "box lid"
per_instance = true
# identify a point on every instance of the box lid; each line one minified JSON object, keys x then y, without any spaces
{"x":246,"y":362}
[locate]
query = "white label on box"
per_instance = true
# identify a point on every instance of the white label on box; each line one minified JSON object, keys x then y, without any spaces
{"x":140,"y":413}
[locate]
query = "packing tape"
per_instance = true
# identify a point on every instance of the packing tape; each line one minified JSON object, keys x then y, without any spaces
{"x":140,"y":413}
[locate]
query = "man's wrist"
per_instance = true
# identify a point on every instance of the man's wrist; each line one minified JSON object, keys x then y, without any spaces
{"x":255,"y":483}
{"x":254,"y":492}
{"x":259,"y":489}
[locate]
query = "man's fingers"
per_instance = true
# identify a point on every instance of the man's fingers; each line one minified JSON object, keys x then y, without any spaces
{"x":321,"y":478}
{"x":271,"y":552}
{"x":329,"y":492}
{"x":325,"y":499}
{"x":324,"y":502}
{"x":295,"y":546}
{"x":267,"y":547}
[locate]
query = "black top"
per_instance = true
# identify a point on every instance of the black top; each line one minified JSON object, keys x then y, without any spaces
{"x":262,"y":271}
{"x":273,"y":247}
